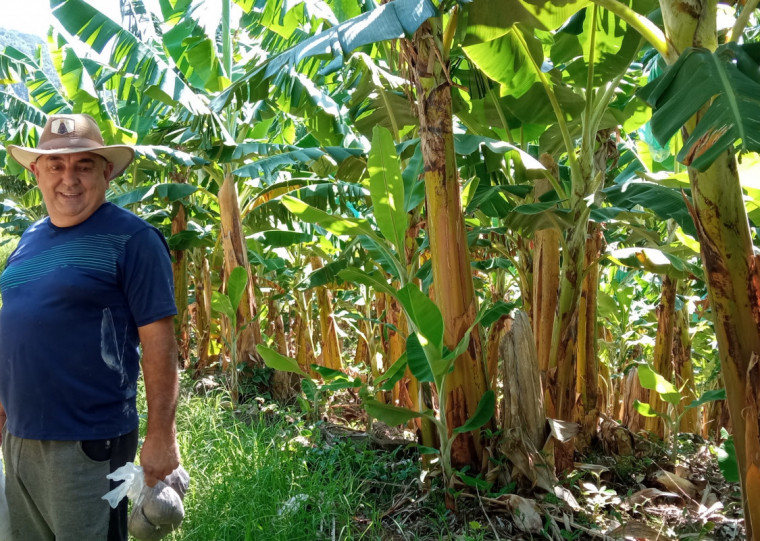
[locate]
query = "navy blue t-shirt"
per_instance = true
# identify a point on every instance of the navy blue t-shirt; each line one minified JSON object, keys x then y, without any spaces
{"x":73,"y":298}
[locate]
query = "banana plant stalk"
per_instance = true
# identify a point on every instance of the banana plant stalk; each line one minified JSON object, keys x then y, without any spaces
{"x":236,"y":255}
{"x":663,"y":349}
{"x":227,"y":305}
{"x":452,"y":274}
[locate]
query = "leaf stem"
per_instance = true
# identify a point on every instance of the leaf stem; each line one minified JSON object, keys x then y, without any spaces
{"x":569,"y":147}
{"x":644,"y":26}
{"x":741,"y":21}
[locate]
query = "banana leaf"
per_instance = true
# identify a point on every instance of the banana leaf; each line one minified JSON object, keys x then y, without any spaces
{"x":729,"y":81}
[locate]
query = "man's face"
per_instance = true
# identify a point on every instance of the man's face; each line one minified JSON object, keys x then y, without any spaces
{"x":72,"y":185}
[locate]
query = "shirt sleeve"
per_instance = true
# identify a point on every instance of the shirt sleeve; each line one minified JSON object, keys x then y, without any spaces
{"x":148,"y":282}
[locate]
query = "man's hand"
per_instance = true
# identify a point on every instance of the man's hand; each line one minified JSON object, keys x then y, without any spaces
{"x":158,"y":458}
{"x":159,"y":455}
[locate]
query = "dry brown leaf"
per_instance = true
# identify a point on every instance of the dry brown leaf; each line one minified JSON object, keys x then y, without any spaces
{"x":563,"y":431}
{"x":637,"y":530}
{"x":682,"y":471}
{"x":525,"y":512}
{"x":593,"y":468}
{"x":615,"y":438}
{"x":676,"y":484}
{"x":710,"y":506}
{"x":648,"y":494}
{"x":567,"y":496}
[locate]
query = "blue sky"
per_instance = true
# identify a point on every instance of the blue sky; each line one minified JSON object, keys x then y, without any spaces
{"x":34,"y":16}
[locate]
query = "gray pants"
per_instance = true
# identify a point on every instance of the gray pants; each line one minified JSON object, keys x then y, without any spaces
{"x":54,"y":488}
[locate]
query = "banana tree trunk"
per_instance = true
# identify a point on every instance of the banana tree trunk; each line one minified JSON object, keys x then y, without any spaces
{"x":236,"y":255}
{"x":179,"y":268}
{"x":632,"y":391}
{"x":331,"y":357}
{"x":585,"y":182}
{"x":304,"y":352}
{"x":278,"y":328}
{"x":733,"y":281}
{"x":202,"y":281}
{"x":563,"y":359}
{"x":452,"y":275}
{"x":663,"y":348}
{"x":733,"y":286}
{"x":395,"y":317}
{"x":284,"y":384}
{"x":683,"y":367}
{"x":497,"y":331}
{"x":588,"y":363}
{"x":545,"y":279}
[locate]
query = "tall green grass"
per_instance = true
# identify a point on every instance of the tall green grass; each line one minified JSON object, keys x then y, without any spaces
{"x":258,"y":474}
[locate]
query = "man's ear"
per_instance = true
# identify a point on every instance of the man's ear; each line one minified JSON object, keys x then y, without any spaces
{"x":107,"y":172}
{"x":33,"y":167}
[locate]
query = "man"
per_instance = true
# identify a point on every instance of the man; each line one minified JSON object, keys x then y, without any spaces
{"x":82,"y":290}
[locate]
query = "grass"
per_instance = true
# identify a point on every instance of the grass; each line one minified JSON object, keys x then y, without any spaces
{"x":257,"y":473}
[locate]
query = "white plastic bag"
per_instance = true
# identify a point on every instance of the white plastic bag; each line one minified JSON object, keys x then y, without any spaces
{"x":5,"y":521}
{"x":156,"y":511}
{"x":134,"y":481}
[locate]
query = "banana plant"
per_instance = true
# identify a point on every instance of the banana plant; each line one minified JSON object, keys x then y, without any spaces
{"x":706,"y":93}
{"x":426,"y":357}
{"x":671,"y":396}
{"x":589,"y":58}
{"x":226,"y":305}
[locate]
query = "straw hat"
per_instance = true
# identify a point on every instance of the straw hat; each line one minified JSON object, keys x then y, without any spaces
{"x":68,"y":134}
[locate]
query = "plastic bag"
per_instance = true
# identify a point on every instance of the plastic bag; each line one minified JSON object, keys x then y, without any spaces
{"x":5,"y":521}
{"x":157,"y":510}
{"x":134,"y":481}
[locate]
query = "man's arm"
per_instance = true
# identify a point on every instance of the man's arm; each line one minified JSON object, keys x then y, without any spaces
{"x":160,"y":454}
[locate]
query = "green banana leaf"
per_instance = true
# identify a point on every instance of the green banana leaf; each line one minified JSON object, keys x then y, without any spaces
{"x":483,"y":413}
{"x":76,"y":80}
{"x":277,"y":238}
{"x":43,"y":93}
{"x":390,"y":415}
{"x":388,"y":21}
{"x":728,"y":81}
{"x":236,"y":285}
{"x":656,"y":261}
{"x":490,"y":19}
{"x":12,"y":70}
{"x":614,"y":46}
{"x":17,"y":109}
{"x":665,"y":202}
{"x":129,"y":53}
{"x":277,"y":361}
{"x":195,"y":55}
{"x":387,"y":188}
{"x":650,"y":379}
{"x":506,"y":61}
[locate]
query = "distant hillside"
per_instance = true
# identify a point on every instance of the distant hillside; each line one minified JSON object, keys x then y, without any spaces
{"x":27,"y":44}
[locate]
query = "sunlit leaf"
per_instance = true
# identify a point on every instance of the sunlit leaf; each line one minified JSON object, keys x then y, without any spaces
{"x":221,"y":303}
{"x":334,"y":224}
{"x":652,"y":380}
{"x":278,"y":361}
{"x":387,"y":188}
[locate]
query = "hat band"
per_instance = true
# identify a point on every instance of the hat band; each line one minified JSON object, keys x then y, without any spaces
{"x":69,"y":143}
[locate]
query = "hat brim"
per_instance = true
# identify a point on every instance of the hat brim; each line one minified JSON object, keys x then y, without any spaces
{"x":119,"y":155}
